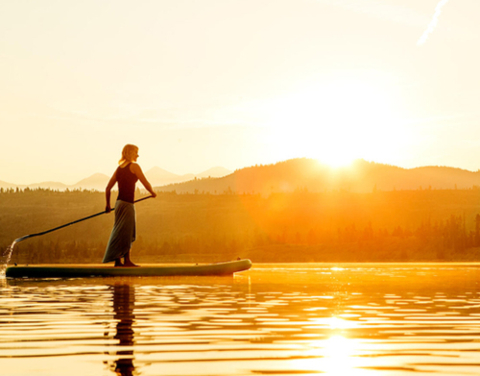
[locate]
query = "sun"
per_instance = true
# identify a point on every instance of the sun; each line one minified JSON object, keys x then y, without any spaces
{"x":336,"y":123}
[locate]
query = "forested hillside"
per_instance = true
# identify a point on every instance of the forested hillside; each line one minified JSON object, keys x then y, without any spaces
{"x":422,"y":225}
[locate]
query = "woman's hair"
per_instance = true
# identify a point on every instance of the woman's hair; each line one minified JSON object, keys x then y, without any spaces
{"x":128,"y":153}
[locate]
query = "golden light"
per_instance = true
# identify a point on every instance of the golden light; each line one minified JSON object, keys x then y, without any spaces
{"x":338,"y":352}
{"x":334,"y":323}
{"x":336,"y":355}
{"x":338,"y":323}
{"x":336,"y":123}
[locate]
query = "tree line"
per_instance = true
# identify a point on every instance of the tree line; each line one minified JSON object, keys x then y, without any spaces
{"x":423,"y":225}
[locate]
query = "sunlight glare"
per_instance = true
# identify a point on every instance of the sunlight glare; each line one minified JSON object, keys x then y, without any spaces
{"x":338,"y":354}
{"x":334,"y":323}
{"x":336,"y":357}
{"x":338,"y":323}
{"x":335,"y":123}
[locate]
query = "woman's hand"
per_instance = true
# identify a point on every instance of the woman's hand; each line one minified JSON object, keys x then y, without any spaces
{"x":153,"y":194}
{"x":108,"y":209}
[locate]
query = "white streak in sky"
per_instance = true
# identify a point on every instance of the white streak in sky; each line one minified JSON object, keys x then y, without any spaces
{"x":433,"y":23}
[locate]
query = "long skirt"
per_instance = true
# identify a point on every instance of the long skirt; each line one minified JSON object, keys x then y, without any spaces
{"x":123,"y":233}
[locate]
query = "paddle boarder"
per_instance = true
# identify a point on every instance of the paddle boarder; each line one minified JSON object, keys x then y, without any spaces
{"x":123,"y":233}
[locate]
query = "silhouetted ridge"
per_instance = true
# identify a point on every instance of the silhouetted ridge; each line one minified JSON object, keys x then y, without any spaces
{"x":309,"y":174}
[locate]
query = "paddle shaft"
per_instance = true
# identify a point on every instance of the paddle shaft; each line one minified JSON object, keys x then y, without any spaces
{"x":71,"y":223}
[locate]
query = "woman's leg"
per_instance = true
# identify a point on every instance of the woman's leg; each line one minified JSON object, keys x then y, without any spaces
{"x":118,"y":262}
{"x":127,"y":261}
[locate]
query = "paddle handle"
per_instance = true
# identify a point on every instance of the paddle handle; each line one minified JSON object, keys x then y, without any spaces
{"x":69,"y":224}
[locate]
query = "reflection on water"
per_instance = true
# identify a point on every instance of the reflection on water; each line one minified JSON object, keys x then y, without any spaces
{"x":352,"y":319}
{"x":123,"y":303}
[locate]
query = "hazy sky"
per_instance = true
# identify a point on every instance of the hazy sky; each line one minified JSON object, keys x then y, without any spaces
{"x":197,"y":84}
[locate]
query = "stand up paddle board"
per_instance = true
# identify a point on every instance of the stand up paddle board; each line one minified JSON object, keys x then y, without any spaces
{"x":220,"y":269}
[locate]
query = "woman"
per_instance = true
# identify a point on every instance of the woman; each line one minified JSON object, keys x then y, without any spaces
{"x":123,"y":233}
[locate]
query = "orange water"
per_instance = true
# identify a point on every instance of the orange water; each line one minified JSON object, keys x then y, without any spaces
{"x":350,"y":319}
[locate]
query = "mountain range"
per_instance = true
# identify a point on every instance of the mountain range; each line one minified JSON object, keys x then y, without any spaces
{"x":156,"y":176}
{"x":310,"y":175}
{"x":292,"y":175}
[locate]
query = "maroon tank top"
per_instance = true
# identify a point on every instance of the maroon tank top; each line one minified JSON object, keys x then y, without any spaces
{"x":126,"y":180}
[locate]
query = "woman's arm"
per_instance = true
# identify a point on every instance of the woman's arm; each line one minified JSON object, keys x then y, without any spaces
{"x":135,"y":168}
{"x":110,"y":185}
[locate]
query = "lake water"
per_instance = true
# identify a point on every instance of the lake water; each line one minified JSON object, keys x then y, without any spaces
{"x":276,"y":319}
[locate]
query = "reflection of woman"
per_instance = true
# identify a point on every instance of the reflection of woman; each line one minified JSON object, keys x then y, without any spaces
{"x":123,"y":233}
{"x":123,"y":302}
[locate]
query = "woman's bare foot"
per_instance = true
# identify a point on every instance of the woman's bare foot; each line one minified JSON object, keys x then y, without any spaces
{"x":127,"y":262}
{"x":130,"y":264}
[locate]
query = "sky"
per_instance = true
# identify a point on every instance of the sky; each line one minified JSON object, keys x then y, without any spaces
{"x":234,"y":83}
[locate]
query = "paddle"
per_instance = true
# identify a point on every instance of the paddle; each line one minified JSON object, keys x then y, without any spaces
{"x":10,"y":249}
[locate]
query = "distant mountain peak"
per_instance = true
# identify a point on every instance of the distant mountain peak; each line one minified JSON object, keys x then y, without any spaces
{"x":214,"y":172}
{"x":96,"y":181}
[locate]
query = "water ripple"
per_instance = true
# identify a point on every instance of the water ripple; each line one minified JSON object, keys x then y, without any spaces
{"x":350,"y":319}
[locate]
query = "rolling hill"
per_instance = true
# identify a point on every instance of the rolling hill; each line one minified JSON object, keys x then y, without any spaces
{"x":309,"y":174}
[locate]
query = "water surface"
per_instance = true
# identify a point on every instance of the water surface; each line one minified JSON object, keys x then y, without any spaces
{"x":276,"y":319}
